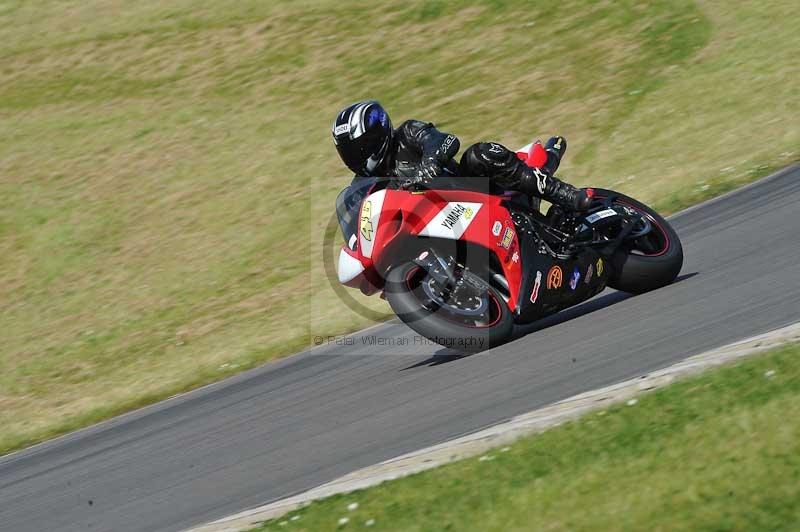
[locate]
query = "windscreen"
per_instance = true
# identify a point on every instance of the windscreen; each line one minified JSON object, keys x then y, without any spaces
{"x":348,"y":205}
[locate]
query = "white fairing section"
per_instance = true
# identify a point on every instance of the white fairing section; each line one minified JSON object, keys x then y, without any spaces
{"x":368,"y":223}
{"x":349,"y":267}
{"x":452,"y":220}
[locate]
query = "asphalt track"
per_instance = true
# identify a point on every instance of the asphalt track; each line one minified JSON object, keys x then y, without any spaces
{"x":305,"y":420}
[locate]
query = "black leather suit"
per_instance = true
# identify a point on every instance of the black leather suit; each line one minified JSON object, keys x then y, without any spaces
{"x":420,"y":152}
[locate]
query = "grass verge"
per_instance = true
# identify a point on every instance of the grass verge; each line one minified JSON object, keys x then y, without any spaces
{"x":165,"y":168}
{"x":717,"y":452}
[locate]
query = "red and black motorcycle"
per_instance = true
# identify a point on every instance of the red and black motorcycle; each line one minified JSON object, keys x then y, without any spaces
{"x":461,"y":267}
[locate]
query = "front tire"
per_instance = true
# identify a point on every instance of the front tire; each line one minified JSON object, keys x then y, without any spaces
{"x":649,"y":263}
{"x":404,"y":295}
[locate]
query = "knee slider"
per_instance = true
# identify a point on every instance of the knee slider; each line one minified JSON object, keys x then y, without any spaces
{"x":488,"y":159}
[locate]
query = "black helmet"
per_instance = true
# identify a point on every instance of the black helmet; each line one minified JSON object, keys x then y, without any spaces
{"x":362,"y":133}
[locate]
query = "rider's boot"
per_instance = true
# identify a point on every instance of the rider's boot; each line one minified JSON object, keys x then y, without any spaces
{"x":541,"y":182}
{"x":555,"y":147}
{"x":538,"y":182}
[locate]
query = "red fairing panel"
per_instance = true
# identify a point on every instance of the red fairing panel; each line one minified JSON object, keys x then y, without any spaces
{"x":451,"y":214}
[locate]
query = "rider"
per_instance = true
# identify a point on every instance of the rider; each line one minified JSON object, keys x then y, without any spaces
{"x":417,"y":152}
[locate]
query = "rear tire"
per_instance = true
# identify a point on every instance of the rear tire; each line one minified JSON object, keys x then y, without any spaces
{"x":435,"y":326}
{"x":638,"y":273}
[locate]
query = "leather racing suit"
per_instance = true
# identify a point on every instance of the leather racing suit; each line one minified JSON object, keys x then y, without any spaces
{"x":420,"y":152}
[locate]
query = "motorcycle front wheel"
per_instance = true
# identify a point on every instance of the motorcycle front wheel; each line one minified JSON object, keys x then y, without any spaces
{"x":471,"y":322}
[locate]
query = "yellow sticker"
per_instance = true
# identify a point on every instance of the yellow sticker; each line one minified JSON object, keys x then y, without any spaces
{"x":599,"y":267}
{"x":508,"y":238}
{"x":366,"y":220}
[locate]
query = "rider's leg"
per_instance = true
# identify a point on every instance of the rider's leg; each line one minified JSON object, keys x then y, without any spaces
{"x":489,"y":159}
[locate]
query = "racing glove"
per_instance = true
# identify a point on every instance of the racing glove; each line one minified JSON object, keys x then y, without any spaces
{"x":429,"y":168}
{"x":424,"y":174}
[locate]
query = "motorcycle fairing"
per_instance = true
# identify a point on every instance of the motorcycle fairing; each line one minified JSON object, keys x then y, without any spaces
{"x":475,"y":218}
{"x":389,"y":219}
{"x":549,"y":296}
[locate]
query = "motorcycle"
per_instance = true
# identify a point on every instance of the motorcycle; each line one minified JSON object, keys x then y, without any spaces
{"x":462,"y":266}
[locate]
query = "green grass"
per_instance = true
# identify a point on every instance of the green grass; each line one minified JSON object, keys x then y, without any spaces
{"x":718,"y":452}
{"x":166,"y":171}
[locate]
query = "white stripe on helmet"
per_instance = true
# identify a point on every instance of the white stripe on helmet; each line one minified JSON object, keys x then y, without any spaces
{"x":357,"y":120}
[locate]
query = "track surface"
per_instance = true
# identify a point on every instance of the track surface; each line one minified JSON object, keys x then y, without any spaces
{"x":307,"y":419}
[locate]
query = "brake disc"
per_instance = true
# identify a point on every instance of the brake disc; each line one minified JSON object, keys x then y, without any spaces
{"x":464,"y":300}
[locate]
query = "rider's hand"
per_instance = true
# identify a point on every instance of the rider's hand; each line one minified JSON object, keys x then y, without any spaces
{"x":426,"y":171}
{"x":429,"y":169}
{"x":415,"y":181}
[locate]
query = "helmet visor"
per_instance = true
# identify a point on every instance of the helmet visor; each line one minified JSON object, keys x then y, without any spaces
{"x":362,"y":157}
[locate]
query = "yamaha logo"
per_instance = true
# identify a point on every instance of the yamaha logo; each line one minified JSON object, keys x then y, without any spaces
{"x":454,"y":215}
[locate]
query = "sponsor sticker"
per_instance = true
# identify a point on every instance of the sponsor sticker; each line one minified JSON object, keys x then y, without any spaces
{"x":366,"y":220}
{"x":455,"y":215}
{"x":589,"y":273}
{"x":508,"y":238}
{"x":536,"y":285}
{"x":599,"y":267}
{"x":496,"y":228}
{"x":510,"y":255}
{"x":592,"y":218}
{"x":423,"y":255}
{"x":369,"y":221}
{"x":541,"y":180}
{"x":555,"y":277}
{"x":515,"y":257}
{"x":452,"y":220}
{"x":576,"y":276}
{"x":341,"y":129}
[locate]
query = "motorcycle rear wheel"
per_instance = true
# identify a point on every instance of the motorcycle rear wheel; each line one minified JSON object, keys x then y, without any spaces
{"x":650,"y":262}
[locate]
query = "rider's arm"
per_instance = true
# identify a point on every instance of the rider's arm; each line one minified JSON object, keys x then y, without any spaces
{"x":433,"y":145}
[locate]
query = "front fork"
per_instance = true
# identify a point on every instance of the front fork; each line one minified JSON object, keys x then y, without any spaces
{"x":438,"y":269}
{"x":449,"y":276}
